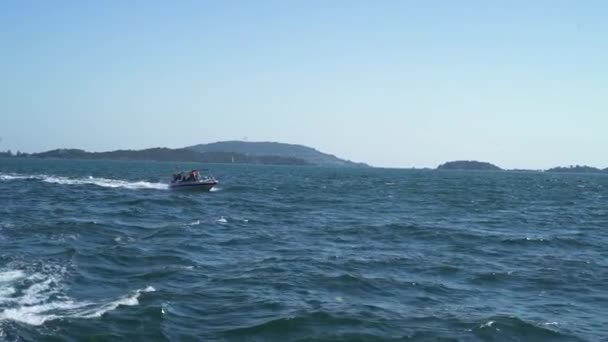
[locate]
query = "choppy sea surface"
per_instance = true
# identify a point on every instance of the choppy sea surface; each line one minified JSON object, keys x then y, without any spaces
{"x":102,"y":250}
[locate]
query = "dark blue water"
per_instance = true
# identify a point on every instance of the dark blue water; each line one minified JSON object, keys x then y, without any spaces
{"x":103,"y":251}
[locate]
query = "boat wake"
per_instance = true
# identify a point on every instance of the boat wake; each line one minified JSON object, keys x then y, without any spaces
{"x":103,"y":182}
{"x":38,"y":297}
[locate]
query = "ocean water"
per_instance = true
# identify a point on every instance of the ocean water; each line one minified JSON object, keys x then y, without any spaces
{"x":103,"y":251}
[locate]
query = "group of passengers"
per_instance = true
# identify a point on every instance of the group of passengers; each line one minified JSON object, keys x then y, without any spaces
{"x":185,"y":177}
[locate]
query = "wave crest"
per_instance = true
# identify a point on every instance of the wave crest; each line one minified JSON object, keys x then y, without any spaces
{"x":37,"y":298}
{"x":498,"y":326}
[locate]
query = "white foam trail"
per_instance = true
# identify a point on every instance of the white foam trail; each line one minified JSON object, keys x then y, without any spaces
{"x":103,"y":182}
{"x":6,"y":291}
{"x":8,"y":177}
{"x":11,"y":276}
{"x":43,"y":300}
{"x":36,"y":314}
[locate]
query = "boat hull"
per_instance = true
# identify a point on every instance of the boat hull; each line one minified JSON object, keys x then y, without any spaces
{"x":194,"y":186}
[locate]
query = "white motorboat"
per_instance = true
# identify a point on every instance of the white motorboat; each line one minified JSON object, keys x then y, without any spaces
{"x":192,"y":181}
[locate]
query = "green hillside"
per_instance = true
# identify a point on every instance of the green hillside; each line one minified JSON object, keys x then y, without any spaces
{"x":308,"y":154}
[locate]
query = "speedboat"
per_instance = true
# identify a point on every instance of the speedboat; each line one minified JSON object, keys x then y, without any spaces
{"x":192,"y":181}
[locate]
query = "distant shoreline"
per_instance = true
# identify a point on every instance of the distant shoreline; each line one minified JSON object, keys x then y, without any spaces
{"x":473,"y":165}
{"x":576,"y":169}
{"x":226,"y":152}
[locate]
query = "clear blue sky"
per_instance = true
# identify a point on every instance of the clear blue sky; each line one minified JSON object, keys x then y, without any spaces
{"x":391,"y":83}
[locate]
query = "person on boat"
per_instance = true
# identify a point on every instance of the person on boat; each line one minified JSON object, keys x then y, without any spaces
{"x":190,"y":177}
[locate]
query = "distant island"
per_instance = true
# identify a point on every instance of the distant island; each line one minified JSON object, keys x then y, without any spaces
{"x":484,"y":166}
{"x":237,"y":152}
{"x":577,"y":169}
{"x":468,"y":165}
{"x":258,"y":149}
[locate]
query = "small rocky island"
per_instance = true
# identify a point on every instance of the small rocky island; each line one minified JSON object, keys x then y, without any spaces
{"x":468,"y":165}
{"x":576,"y":169}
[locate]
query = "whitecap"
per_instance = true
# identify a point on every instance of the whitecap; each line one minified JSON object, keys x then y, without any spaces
{"x":130,"y":300}
{"x":39,"y":292}
{"x":38,"y":314}
{"x":5,"y":292}
{"x":37,"y":298}
{"x":487,"y":324}
{"x":12,"y":275}
{"x":222,"y":220}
